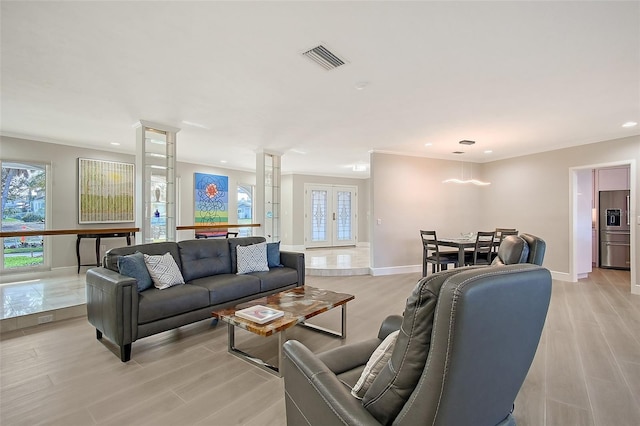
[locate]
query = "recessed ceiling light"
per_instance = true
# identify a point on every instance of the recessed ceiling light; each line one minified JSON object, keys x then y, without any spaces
{"x":630,"y":124}
{"x":488,"y":151}
{"x":115,"y":143}
{"x":297,"y":151}
{"x":361,"y":85}
{"x":223,"y":161}
{"x":458,"y":152}
{"x":466,"y":142}
{"x":359,"y":167}
{"x":428,"y":144}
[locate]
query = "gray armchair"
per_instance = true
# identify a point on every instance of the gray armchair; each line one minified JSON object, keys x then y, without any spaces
{"x":467,"y":339}
{"x":525,"y":248}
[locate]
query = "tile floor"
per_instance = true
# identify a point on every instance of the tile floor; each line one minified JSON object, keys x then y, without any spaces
{"x":32,"y":302}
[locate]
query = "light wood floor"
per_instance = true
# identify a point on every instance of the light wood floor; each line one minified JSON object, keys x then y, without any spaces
{"x":586,"y":371}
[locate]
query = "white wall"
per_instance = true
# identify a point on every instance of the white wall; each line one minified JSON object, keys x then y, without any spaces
{"x":64,"y":197}
{"x":531,"y":193}
{"x":408,"y":195}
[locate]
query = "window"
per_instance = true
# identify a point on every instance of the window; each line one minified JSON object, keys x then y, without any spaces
{"x":245,"y":209}
{"x":23,"y":209}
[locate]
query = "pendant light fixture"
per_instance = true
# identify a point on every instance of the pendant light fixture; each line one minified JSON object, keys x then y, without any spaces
{"x":463,"y":180}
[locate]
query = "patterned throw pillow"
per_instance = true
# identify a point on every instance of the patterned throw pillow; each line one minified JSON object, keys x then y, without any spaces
{"x":378,"y":360}
{"x":163,"y":270}
{"x":133,"y":266}
{"x":252,"y":258}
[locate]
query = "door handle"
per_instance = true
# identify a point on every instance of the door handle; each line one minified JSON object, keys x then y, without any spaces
{"x":628,"y":213}
{"x":334,"y":215}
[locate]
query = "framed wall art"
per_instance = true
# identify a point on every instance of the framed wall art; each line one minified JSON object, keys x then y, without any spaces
{"x":211,"y":199}
{"x":105,"y":191}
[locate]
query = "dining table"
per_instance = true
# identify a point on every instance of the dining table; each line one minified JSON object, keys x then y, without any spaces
{"x":461,"y":243}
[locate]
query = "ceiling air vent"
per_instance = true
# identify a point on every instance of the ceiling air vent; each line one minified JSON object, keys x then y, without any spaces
{"x":323,"y":57}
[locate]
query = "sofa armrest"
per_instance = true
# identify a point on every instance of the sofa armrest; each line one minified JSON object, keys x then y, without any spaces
{"x":112,"y":305}
{"x":314,"y":395}
{"x":294,"y":260}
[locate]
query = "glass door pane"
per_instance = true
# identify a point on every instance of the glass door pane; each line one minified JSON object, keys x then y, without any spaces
{"x":245,"y":209}
{"x":319,"y":222}
{"x":23,"y":209}
{"x":344,"y":211}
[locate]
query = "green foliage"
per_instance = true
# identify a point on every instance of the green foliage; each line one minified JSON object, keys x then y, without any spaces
{"x":32,"y":217}
{"x":37,"y":250}
{"x":20,"y":261}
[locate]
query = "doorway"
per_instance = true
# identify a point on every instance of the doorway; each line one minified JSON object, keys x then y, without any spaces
{"x":581,"y":214}
{"x":330,"y":215}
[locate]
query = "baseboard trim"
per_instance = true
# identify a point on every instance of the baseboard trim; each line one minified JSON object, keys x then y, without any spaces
{"x":395,"y":270}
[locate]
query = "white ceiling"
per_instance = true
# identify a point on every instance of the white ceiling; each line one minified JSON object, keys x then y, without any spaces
{"x":516,"y":77}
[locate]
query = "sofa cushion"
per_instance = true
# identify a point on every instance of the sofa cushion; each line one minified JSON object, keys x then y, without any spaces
{"x":155,"y":304}
{"x":111,"y":257}
{"x":133,"y":266}
{"x":227,"y":287}
{"x":276,"y":278}
{"x":273,"y":255}
{"x":163,"y":270}
{"x":204,"y":257}
{"x":252,"y":258}
{"x":235,"y":242}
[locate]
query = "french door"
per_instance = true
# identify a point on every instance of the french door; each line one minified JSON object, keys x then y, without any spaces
{"x":330,"y":215}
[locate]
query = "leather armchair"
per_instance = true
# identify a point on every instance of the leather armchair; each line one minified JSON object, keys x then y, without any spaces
{"x":467,"y":339}
{"x":525,"y":248}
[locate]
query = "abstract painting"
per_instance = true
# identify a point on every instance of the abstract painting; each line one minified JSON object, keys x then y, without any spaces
{"x":211,"y":199}
{"x":105,"y":191}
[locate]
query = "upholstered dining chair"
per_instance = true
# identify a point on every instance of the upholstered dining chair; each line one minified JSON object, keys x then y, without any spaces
{"x":483,"y":249}
{"x":431,"y":254}
{"x":457,"y":356}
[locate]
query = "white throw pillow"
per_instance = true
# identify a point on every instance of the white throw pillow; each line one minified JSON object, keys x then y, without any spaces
{"x":163,"y":270}
{"x":378,"y":359}
{"x":252,"y":258}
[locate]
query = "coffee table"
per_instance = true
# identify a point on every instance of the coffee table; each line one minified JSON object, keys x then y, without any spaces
{"x":298,"y":305}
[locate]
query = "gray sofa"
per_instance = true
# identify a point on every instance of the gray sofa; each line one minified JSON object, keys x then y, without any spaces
{"x":120,"y":312}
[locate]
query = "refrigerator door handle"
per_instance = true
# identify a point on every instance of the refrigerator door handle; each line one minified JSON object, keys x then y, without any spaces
{"x":628,"y":212}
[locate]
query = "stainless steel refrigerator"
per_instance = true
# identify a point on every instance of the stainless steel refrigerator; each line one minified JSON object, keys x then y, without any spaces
{"x":615,"y":230}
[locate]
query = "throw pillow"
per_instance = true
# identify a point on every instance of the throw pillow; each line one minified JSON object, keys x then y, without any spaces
{"x":252,"y":258}
{"x":378,"y":359}
{"x":163,"y":270}
{"x":133,"y":266}
{"x":273,"y":255}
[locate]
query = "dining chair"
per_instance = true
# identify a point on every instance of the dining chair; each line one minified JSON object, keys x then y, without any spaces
{"x":439,"y":260}
{"x":501,"y":233}
{"x":483,"y":249}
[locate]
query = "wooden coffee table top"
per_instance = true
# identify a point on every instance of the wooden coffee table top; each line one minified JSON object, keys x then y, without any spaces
{"x":298,"y":304}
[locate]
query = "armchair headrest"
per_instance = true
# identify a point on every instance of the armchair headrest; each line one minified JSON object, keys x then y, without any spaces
{"x":537,"y":247}
{"x":512,"y":250}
